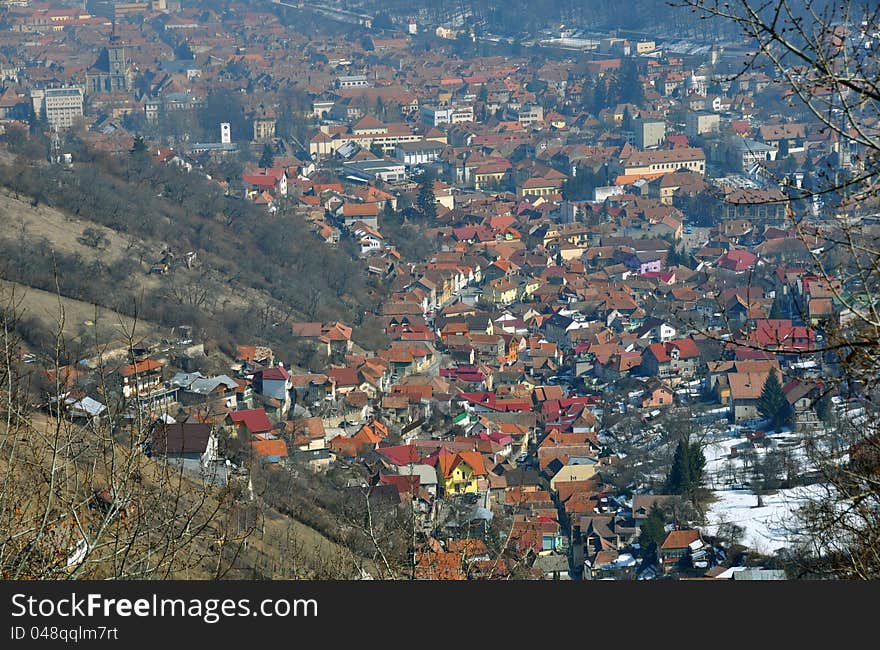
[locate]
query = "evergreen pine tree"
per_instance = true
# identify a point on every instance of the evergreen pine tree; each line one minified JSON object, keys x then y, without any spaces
{"x":267,"y":157}
{"x":675,"y":257}
{"x":600,"y":96}
{"x":773,"y":405}
{"x":388,"y":212}
{"x":678,"y":479}
{"x":688,"y":463}
{"x":652,"y":531}
{"x":427,"y":201}
{"x":823,"y":408}
{"x":696,"y":465}
{"x":629,"y":86}
{"x":483,"y":95}
{"x":139,"y":147}
{"x":783,"y":149}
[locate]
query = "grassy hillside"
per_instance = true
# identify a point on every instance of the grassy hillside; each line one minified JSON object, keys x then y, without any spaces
{"x":174,"y":527}
{"x":96,"y":229}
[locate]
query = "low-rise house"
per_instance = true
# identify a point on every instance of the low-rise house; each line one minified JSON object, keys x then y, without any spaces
{"x":676,"y":359}
{"x":81,"y":407}
{"x":249,"y":422}
{"x":333,"y":339}
{"x":254,"y":356}
{"x":196,"y":388}
{"x":418,"y":153}
{"x":183,"y":440}
{"x":272,"y":179}
{"x":308,"y":439}
{"x":460,"y":472}
{"x":552,"y":567}
{"x":269,"y":450}
{"x":745,"y":391}
{"x":141,"y":378}
{"x":576,"y":469}
{"x":273,"y":382}
{"x":366,"y":213}
{"x":737,"y":261}
{"x":657,"y":395}
{"x":426,"y":474}
{"x":678,"y":545}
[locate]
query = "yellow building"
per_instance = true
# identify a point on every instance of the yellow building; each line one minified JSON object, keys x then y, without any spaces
{"x":264,"y":129}
{"x":491,"y":176}
{"x":460,"y":472}
{"x":531,"y":286}
{"x":663,"y":161}
{"x":501,"y":292}
{"x":538,"y":187}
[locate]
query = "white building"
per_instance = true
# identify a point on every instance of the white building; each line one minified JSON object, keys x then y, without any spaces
{"x":353,"y":81}
{"x":698,"y":123}
{"x":530,"y":114}
{"x":60,"y":106}
{"x":418,"y":153}
{"x":437,"y":115}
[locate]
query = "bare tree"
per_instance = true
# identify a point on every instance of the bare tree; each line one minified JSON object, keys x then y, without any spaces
{"x":821,"y":53}
{"x":80,"y":498}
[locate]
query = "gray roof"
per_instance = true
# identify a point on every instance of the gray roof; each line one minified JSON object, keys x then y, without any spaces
{"x":373,"y":165}
{"x":548,"y":563}
{"x":206,"y":385}
{"x":421,"y":145}
{"x":759,"y":574}
{"x":196,"y":382}
{"x":427,"y":474}
{"x":185,"y":379}
{"x":87,"y":405}
{"x":745,"y":144}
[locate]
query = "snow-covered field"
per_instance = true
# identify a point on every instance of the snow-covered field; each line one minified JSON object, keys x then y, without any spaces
{"x":724,"y":470}
{"x":767,"y":527}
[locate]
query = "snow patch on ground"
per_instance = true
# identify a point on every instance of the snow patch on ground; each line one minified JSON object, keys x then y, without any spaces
{"x":767,"y":528}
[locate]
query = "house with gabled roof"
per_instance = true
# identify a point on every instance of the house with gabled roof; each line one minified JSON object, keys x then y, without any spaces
{"x":460,"y":472}
{"x":269,"y":450}
{"x":141,"y":378}
{"x":673,"y":360}
{"x":266,"y":179}
{"x":248,"y":422}
{"x":745,"y":391}
{"x":677,"y":545}
{"x":273,"y":382}
{"x":181,"y":440}
{"x":737,"y":261}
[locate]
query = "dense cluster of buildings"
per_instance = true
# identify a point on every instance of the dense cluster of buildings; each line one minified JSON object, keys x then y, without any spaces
{"x":588,"y":265}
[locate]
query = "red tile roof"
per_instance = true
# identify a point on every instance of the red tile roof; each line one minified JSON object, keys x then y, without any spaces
{"x":277,"y":373}
{"x":269,"y":448}
{"x":139,"y":367}
{"x":400,"y":455}
{"x":255,"y":420}
{"x":680,"y":539}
